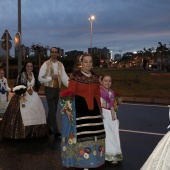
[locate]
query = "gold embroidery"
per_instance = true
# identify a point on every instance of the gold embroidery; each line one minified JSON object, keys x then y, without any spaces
{"x":81,"y":78}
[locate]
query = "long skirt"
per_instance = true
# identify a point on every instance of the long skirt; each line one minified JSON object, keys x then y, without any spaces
{"x":12,"y":125}
{"x":160,"y":157}
{"x":83,"y":140}
{"x":112,"y":141}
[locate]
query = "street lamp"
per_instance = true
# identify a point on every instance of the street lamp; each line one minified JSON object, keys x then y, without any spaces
{"x":17,"y":42}
{"x":111,"y":54}
{"x":91,"y":20}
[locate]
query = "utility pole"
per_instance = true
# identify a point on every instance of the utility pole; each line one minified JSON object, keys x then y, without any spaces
{"x":19,"y":31}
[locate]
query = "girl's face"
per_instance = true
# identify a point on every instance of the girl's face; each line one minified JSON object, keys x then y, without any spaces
{"x":2,"y":74}
{"x":87,"y":63}
{"x":106,"y":82}
{"x":29,"y":67}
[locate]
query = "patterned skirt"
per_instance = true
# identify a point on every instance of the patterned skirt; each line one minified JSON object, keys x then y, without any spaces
{"x":83,"y":143}
{"x":12,"y":125}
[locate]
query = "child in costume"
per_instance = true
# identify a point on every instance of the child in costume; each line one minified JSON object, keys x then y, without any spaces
{"x":113,"y":151}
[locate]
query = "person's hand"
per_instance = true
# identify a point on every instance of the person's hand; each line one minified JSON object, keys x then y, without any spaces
{"x":69,"y":115}
{"x":55,"y":76}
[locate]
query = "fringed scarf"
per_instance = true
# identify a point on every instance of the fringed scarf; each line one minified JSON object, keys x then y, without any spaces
{"x":107,"y":97}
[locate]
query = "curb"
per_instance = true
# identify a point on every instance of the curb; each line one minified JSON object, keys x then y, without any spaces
{"x":146,"y":100}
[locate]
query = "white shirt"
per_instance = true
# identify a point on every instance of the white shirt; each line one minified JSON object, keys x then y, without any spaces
{"x":64,"y":77}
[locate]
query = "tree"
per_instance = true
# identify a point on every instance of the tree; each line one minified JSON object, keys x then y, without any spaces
{"x":163,"y":51}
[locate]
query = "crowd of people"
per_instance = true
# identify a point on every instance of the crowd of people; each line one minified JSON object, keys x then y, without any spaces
{"x":90,"y":126}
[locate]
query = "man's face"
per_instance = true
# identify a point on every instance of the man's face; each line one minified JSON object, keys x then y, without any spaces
{"x":54,"y":53}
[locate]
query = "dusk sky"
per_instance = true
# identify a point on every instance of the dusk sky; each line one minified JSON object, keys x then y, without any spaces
{"x":120,"y":25}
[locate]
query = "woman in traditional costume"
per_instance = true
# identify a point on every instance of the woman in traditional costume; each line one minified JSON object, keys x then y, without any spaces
{"x":83,"y":134}
{"x":25,"y":115}
{"x":113,"y":152}
{"x":160,"y":157}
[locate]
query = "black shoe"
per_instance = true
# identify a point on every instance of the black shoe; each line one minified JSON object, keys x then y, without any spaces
{"x":50,"y":132}
{"x":58,"y":134}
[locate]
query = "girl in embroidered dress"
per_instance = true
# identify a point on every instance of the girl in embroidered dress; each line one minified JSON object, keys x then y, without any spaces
{"x":4,"y":89}
{"x":25,"y":115}
{"x":111,"y":123}
{"x":83,"y":138}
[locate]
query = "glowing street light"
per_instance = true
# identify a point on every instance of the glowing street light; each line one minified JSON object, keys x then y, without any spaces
{"x":111,"y":54}
{"x":91,"y":20}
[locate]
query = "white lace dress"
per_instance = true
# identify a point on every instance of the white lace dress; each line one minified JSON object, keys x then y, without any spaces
{"x":33,"y":113}
{"x":160,"y":157}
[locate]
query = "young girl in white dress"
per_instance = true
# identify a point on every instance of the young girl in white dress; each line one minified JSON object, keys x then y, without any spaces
{"x":4,"y":89}
{"x":113,"y":151}
{"x":160,"y":157}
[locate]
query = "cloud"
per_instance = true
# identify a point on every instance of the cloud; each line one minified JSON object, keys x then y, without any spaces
{"x":119,"y":25}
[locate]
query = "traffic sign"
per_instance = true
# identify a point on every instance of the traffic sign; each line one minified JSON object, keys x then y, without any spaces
{"x":4,"y":35}
{"x":4,"y":45}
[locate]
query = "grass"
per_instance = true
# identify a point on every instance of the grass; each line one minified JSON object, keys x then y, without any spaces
{"x":138,"y":83}
{"x":134,"y":82}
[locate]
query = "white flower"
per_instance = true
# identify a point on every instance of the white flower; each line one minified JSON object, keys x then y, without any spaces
{"x":19,"y":87}
{"x":64,"y":148}
{"x":94,"y":153}
{"x":101,"y":153}
{"x":86,"y":155}
{"x":74,"y":140}
{"x":70,"y":141}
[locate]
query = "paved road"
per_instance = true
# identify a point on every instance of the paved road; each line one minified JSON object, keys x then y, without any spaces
{"x":141,"y":128}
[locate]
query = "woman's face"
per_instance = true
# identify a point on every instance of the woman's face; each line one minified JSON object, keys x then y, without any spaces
{"x":29,"y":67}
{"x":2,"y":74}
{"x":106,"y":82}
{"x":87,"y":63}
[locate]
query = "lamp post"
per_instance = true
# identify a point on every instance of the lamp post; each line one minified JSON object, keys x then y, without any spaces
{"x":91,"y":20}
{"x":17,"y":42}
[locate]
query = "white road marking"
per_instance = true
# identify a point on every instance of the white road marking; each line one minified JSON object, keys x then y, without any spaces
{"x":148,"y":133}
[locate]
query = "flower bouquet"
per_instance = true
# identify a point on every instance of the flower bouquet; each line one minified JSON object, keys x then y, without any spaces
{"x":67,"y":97}
{"x":117,"y":101}
{"x":20,"y":90}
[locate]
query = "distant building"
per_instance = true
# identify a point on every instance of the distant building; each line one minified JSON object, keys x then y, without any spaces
{"x":104,"y":53}
{"x":72,"y":55}
{"x":117,"y":57}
